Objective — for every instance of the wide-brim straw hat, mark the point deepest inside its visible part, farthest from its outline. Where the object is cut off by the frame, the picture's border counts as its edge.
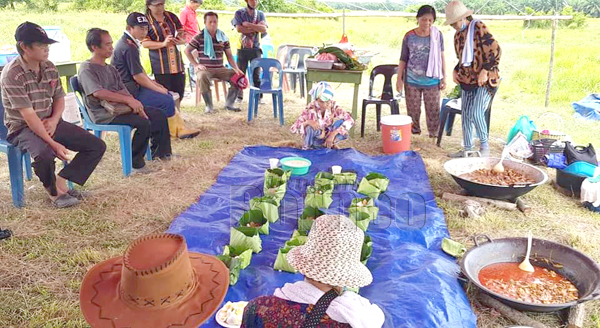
(455, 11)
(158, 283)
(331, 254)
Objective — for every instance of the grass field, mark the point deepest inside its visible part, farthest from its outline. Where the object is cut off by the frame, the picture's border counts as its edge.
(41, 268)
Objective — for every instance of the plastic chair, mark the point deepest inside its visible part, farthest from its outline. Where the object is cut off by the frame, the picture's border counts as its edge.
(216, 87)
(268, 50)
(386, 98)
(265, 64)
(448, 114)
(17, 162)
(123, 130)
(298, 71)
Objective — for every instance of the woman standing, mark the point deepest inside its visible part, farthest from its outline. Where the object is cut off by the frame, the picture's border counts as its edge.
(476, 72)
(164, 35)
(421, 71)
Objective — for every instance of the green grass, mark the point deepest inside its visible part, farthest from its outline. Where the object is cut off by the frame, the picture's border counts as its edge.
(43, 265)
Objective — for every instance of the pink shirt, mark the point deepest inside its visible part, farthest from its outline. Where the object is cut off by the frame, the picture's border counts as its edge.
(190, 23)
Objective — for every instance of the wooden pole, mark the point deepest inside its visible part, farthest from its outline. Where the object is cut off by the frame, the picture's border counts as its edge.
(344, 22)
(497, 203)
(514, 315)
(549, 84)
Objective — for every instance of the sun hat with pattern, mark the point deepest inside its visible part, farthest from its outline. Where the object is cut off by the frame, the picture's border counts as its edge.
(455, 11)
(331, 254)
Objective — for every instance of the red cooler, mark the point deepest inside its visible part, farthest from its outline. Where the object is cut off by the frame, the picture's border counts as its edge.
(395, 133)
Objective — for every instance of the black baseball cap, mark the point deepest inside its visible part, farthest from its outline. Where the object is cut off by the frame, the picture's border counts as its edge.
(31, 32)
(135, 19)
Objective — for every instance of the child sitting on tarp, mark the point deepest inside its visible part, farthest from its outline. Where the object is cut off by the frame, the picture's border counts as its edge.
(323, 123)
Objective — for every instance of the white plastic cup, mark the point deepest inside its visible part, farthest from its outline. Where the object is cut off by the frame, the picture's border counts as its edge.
(336, 169)
(274, 162)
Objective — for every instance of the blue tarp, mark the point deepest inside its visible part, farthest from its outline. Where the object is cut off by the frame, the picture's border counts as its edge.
(414, 282)
(588, 108)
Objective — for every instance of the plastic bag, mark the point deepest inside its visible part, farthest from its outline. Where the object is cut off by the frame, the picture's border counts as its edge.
(518, 148)
(523, 125)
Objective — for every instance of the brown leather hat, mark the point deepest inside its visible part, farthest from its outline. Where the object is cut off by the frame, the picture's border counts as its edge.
(158, 283)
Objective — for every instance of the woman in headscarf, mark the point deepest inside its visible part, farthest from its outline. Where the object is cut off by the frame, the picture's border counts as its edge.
(422, 71)
(330, 262)
(476, 72)
(323, 123)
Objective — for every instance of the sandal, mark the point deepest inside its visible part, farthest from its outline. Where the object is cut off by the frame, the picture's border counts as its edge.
(65, 200)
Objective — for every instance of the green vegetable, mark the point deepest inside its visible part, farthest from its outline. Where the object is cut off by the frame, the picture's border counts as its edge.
(267, 205)
(243, 239)
(350, 62)
(255, 216)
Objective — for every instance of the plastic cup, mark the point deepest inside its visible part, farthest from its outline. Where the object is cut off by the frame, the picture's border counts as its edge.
(336, 169)
(273, 162)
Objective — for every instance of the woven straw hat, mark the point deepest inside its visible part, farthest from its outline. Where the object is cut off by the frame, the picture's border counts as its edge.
(455, 11)
(158, 283)
(331, 254)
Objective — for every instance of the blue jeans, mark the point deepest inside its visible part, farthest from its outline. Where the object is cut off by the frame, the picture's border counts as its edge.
(311, 136)
(151, 98)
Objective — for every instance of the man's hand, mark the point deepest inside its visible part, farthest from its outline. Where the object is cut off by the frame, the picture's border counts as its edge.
(443, 84)
(180, 39)
(483, 78)
(169, 39)
(50, 125)
(60, 151)
(199, 67)
(238, 71)
(136, 106)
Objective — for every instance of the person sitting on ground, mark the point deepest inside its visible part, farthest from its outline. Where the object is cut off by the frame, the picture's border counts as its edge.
(109, 102)
(34, 101)
(126, 59)
(210, 44)
(330, 262)
(323, 123)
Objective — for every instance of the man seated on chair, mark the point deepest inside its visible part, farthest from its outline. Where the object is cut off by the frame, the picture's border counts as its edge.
(126, 59)
(323, 123)
(33, 99)
(210, 44)
(108, 102)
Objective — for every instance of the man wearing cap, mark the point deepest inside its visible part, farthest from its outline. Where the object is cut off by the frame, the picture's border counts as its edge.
(210, 44)
(249, 22)
(126, 59)
(33, 99)
(103, 90)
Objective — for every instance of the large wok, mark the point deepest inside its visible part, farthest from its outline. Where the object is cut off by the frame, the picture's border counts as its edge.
(460, 166)
(582, 271)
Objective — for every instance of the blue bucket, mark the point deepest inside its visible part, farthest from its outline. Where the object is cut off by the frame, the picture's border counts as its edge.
(581, 168)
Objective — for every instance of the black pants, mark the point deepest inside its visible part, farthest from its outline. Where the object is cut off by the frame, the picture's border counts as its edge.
(89, 153)
(245, 56)
(156, 130)
(172, 82)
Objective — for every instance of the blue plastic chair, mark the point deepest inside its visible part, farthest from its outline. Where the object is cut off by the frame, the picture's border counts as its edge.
(17, 162)
(265, 64)
(268, 50)
(124, 131)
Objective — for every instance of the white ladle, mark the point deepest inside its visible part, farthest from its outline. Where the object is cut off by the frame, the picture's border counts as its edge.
(499, 168)
(525, 265)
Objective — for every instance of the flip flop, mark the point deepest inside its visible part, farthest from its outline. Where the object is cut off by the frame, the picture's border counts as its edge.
(65, 200)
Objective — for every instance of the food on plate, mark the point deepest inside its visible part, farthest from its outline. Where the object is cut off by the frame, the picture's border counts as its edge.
(253, 225)
(232, 313)
(296, 163)
(506, 178)
(543, 286)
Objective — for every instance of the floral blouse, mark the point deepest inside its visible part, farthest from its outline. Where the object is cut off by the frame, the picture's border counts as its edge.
(487, 56)
(325, 120)
(274, 312)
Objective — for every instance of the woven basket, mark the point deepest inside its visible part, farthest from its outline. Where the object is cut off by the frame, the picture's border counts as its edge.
(556, 135)
(542, 147)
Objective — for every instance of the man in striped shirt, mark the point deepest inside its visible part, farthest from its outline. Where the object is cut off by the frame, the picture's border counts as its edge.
(34, 102)
(211, 43)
